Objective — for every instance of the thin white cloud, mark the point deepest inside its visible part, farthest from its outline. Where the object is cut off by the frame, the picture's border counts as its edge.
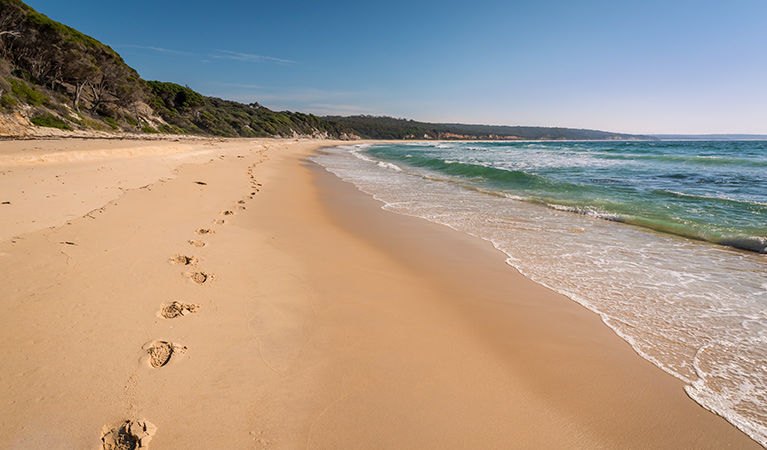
(309, 100)
(156, 49)
(242, 86)
(326, 109)
(306, 96)
(247, 57)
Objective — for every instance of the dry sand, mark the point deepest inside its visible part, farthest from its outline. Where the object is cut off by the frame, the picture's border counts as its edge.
(228, 294)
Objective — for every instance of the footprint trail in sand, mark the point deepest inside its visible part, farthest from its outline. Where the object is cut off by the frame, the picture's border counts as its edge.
(128, 435)
(178, 309)
(161, 352)
(200, 277)
(136, 434)
(184, 260)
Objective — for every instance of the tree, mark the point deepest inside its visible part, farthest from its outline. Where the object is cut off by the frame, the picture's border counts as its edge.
(10, 20)
(41, 62)
(80, 70)
(130, 93)
(105, 82)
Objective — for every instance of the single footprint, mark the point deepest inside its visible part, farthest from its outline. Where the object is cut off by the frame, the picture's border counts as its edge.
(128, 435)
(242, 202)
(184, 260)
(219, 221)
(203, 231)
(199, 277)
(196, 243)
(160, 352)
(178, 309)
(228, 212)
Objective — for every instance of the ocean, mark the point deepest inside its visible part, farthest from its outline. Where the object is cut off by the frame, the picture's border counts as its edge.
(665, 240)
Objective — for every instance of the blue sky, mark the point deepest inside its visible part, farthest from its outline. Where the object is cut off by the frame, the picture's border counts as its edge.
(671, 66)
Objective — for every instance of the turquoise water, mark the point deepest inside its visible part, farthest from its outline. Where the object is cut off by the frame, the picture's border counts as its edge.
(712, 191)
(664, 240)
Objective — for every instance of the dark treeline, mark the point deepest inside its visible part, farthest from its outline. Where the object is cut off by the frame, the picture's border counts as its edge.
(376, 127)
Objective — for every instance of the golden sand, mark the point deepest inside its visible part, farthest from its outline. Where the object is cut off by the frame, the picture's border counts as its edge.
(229, 294)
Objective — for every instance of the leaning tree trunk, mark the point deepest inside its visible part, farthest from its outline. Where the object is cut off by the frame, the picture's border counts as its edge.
(78, 92)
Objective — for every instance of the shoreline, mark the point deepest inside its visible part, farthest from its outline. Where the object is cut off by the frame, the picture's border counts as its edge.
(552, 319)
(325, 322)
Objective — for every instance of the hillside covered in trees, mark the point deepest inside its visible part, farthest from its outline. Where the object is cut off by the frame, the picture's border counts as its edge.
(186, 111)
(372, 127)
(52, 75)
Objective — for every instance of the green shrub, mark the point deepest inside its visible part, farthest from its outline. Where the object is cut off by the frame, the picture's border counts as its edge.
(69, 34)
(72, 119)
(93, 125)
(23, 74)
(27, 94)
(111, 122)
(7, 101)
(148, 129)
(170, 129)
(173, 96)
(51, 122)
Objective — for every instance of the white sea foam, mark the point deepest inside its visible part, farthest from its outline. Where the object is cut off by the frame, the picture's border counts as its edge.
(695, 310)
(717, 197)
(388, 165)
(588, 211)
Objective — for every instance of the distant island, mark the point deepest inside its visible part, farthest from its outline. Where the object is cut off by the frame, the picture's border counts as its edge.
(52, 75)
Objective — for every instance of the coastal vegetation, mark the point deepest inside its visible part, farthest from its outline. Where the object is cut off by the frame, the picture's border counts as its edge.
(372, 127)
(186, 111)
(50, 121)
(55, 76)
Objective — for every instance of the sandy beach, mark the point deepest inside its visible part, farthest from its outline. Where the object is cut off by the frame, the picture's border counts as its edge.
(230, 294)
